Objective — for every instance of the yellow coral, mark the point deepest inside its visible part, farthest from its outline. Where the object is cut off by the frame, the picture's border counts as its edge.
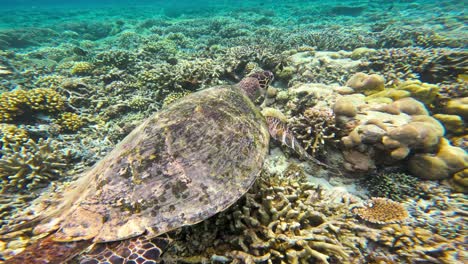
(82, 68)
(70, 121)
(382, 211)
(45, 99)
(171, 98)
(424, 92)
(11, 104)
(13, 134)
(15, 103)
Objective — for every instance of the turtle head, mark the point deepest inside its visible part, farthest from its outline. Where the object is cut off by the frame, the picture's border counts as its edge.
(256, 84)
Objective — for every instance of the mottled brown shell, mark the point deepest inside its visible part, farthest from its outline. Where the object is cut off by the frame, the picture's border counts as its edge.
(182, 165)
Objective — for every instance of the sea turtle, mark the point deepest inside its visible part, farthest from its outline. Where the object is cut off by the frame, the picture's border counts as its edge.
(182, 165)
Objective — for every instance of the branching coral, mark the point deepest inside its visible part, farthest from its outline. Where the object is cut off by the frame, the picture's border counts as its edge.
(281, 220)
(382, 211)
(82, 68)
(314, 127)
(174, 97)
(427, 65)
(12, 134)
(70, 122)
(24, 167)
(15, 103)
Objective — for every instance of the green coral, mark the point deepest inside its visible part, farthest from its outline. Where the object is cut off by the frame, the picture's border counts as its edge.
(27, 166)
(395, 186)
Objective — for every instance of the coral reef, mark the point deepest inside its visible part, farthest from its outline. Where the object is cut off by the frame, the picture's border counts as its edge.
(15, 103)
(70, 122)
(381, 211)
(82, 68)
(30, 165)
(281, 220)
(392, 185)
(314, 128)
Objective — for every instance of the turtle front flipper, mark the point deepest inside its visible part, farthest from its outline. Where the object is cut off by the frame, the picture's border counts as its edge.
(136, 250)
(47, 250)
(278, 129)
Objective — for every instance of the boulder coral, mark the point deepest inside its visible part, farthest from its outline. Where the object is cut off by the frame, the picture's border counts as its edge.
(447, 161)
(422, 133)
(366, 84)
(424, 92)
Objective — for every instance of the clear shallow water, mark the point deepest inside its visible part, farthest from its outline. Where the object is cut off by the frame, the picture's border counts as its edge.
(114, 63)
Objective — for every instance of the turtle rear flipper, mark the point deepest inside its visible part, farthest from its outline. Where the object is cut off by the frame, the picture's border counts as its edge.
(47, 250)
(131, 251)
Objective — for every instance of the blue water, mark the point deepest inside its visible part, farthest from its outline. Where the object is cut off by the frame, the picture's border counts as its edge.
(114, 63)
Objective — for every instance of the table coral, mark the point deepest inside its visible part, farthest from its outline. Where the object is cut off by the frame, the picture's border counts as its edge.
(382, 211)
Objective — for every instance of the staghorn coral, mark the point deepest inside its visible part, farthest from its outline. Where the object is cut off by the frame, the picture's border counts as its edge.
(24, 167)
(314, 127)
(280, 220)
(381, 211)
